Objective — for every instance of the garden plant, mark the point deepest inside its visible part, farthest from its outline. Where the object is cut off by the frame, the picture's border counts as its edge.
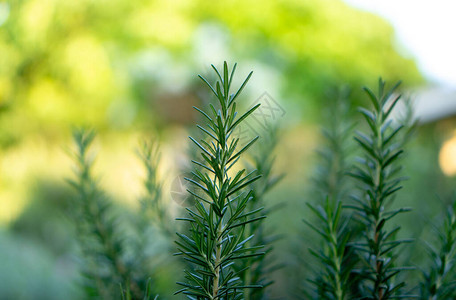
(224, 247)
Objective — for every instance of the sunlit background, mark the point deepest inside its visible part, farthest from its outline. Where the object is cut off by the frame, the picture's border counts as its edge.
(129, 70)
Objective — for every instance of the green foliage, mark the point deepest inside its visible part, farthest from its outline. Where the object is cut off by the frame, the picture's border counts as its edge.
(332, 280)
(101, 237)
(258, 270)
(330, 178)
(113, 65)
(216, 240)
(72, 57)
(227, 243)
(312, 41)
(439, 279)
(153, 207)
(154, 226)
(377, 174)
(126, 293)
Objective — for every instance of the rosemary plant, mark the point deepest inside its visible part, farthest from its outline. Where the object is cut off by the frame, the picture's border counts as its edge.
(335, 257)
(95, 227)
(377, 174)
(257, 270)
(216, 239)
(126, 294)
(334, 156)
(333, 281)
(439, 281)
(153, 208)
(101, 238)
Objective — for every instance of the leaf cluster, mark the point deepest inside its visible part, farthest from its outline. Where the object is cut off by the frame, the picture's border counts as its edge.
(333, 278)
(377, 173)
(258, 270)
(227, 246)
(439, 279)
(107, 254)
(335, 153)
(153, 208)
(216, 240)
(333, 281)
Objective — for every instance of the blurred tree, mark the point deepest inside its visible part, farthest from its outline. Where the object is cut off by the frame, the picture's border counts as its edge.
(110, 63)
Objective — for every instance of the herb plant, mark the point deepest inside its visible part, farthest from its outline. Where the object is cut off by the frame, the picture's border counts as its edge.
(377, 174)
(257, 270)
(216, 239)
(98, 234)
(153, 207)
(226, 243)
(109, 270)
(439, 280)
(332, 280)
(153, 225)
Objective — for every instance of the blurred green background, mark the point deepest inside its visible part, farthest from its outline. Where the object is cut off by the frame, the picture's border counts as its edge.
(128, 69)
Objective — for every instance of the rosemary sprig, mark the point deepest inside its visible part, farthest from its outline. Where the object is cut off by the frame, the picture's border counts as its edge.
(439, 281)
(216, 241)
(101, 237)
(152, 204)
(258, 269)
(377, 175)
(332, 280)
